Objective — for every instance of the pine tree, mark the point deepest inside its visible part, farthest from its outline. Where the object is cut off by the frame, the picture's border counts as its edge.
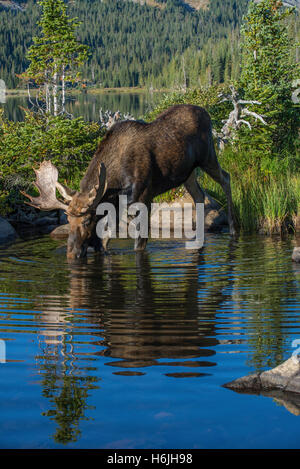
(55, 55)
(268, 71)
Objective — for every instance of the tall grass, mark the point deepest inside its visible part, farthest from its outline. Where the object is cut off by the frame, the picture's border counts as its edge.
(267, 204)
(265, 201)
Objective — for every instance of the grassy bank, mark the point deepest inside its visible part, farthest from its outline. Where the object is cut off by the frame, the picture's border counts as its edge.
(268, 204)
(130, 90)
(91, 90)
(265, 202)
(16, 92)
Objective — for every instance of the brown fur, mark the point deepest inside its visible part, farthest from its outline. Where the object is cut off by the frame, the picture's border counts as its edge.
(163, 152)
(143, 160)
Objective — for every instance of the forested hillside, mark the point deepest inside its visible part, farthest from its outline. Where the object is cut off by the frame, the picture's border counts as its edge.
(133, 44)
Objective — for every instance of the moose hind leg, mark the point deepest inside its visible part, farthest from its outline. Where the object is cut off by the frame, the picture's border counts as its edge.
(227, 189)
(223, 178)
(194, 189)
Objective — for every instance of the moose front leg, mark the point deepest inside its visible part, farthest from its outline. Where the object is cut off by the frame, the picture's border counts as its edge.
(142, 204)
(95, 243)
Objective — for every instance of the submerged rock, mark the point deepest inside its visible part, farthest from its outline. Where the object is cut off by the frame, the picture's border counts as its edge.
(296, 255)
(284, 378)
(7, 232)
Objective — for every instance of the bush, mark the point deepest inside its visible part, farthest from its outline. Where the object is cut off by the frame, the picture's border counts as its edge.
(69, 144)
(206, 97)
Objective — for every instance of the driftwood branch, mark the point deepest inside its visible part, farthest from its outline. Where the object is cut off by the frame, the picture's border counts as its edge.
(255, 115)
(108, 118)
(235, 119)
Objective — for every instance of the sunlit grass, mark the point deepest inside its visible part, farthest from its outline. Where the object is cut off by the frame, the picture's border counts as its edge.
(264, 201)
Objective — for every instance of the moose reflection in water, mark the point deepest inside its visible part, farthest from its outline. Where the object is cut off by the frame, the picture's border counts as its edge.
(136, 320)
(164, 314)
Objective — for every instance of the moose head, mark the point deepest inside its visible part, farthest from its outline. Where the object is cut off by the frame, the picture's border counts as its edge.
(80, 206)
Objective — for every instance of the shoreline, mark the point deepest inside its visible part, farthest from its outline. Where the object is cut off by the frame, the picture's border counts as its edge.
(132, 90)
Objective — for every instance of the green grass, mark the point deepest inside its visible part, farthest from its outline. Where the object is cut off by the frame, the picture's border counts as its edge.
(264, 201)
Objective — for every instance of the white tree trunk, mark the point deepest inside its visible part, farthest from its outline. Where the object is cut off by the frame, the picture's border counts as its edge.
(55, 92)
(63, 99)
(47, 95)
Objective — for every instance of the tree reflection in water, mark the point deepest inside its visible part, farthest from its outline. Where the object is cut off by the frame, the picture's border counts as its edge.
(166, 308)
(141, 313)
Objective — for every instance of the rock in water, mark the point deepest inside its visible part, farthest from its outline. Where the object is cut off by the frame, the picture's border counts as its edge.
(61, 232)
(296, 255)
(215, 220)
(285, 377)
(7, 232)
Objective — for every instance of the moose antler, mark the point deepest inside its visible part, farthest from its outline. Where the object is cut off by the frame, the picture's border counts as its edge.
(92, 189)
(46, 183)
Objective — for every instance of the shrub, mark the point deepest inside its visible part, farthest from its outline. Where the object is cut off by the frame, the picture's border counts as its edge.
(206, 97)
(69, 144)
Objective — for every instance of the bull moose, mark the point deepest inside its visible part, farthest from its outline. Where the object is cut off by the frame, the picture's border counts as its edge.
(140, 160)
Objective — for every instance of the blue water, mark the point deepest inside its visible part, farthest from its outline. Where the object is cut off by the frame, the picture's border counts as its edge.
(88, 105)
(131, 351)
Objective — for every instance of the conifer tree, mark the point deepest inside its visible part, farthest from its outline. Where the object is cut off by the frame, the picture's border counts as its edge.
(268, 71)
(55, 55)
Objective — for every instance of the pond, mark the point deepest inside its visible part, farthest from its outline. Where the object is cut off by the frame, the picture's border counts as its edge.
(131, 350)
(88, 105)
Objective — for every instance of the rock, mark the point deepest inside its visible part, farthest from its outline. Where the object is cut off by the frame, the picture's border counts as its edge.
(7, 232)
(215, 220)
(169, 218)
(244, 384)
(61, 232)
(296, 255)
(46, 221)
(47, 229)
(285, 377)
(297, 223)
(294, 385)
(63, 219)
(215, 217)
(211, 203)
(280, 377)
